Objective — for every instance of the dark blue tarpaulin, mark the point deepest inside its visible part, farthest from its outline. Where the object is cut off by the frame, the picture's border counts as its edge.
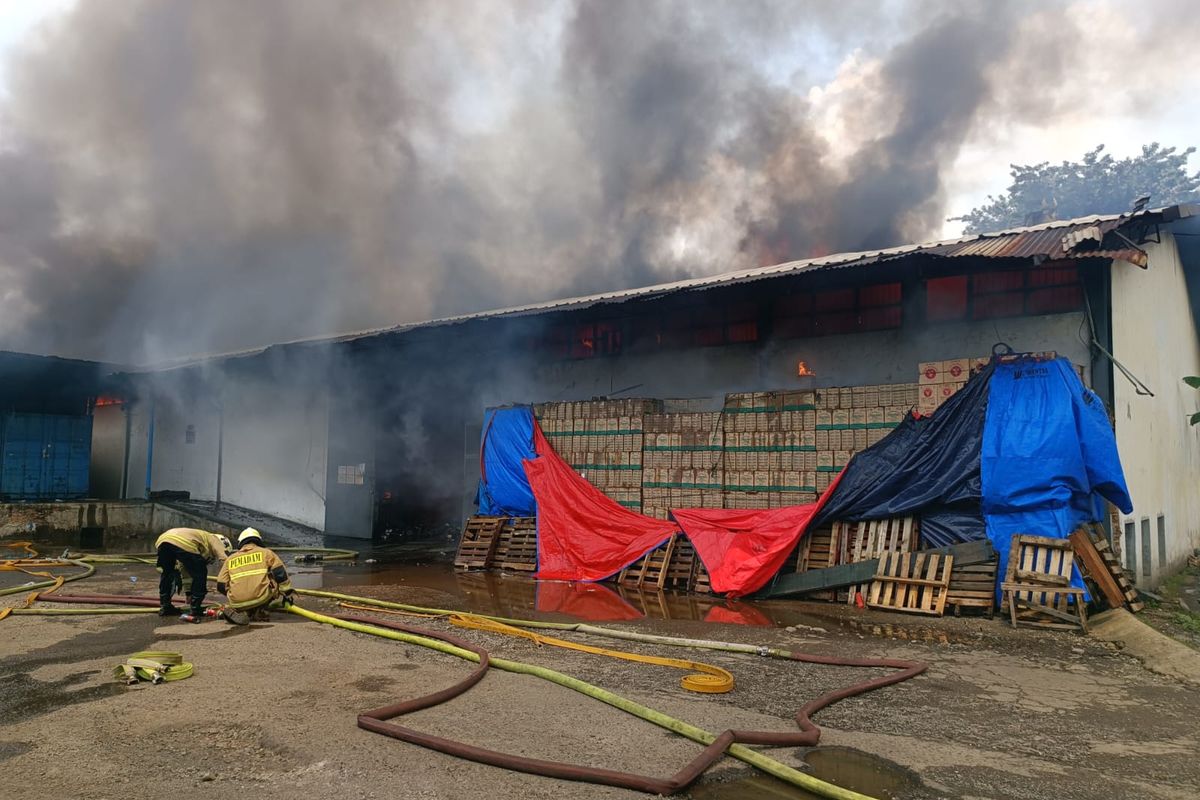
(927, 467)
(1049, 455)
(506, 442)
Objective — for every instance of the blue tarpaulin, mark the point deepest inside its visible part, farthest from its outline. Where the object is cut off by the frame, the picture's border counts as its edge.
(1049, 454)
(506, 442)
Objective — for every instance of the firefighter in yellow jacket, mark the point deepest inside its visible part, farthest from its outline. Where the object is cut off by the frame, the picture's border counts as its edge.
(252, 578)
(194, 549)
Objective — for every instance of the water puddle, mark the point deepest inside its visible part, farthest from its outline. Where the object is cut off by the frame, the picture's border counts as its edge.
(22, 697)
(516, 595)
(13, 749)
(843, 766)
(423, 577)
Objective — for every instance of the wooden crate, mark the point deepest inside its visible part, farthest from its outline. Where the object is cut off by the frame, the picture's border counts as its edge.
(477, 547)
(973, 586)
(912, 582)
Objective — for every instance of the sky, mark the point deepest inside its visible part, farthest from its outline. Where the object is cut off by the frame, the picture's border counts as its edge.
(180, 178)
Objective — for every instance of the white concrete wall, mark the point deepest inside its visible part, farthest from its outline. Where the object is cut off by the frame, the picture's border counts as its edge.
(276, 445)
(1154, 336)
(178, 464)
(139, 425)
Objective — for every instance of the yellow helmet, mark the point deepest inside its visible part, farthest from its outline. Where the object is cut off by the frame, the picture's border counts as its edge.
(249, 533)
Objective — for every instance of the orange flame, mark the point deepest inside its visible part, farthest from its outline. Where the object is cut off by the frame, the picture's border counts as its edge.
(803, 371)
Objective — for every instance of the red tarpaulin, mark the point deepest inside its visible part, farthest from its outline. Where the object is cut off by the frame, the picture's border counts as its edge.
(585, 536)
(591, 601)
(742, 549)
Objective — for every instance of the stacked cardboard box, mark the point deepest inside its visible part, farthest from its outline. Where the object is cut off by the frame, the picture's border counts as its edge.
(682, 462)
(939, 380)
(783, 448)
(602, 440)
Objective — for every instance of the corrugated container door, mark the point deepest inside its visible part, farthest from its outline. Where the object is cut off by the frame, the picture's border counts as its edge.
(46, 456)
(80, 463)
(24, 465)
(58, 456)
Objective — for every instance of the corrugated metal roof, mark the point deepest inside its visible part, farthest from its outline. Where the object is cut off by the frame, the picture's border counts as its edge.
(1047, 241)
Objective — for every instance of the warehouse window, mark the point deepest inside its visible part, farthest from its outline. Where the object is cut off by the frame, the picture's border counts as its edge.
(946, 298)
(1045, 289)
(704, 326)
(834, 311)
(351, 474)
(583, 340)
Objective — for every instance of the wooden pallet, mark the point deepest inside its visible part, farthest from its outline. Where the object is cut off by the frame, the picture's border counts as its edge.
(864, 541)
(517, 546)
(652, 568)
(818, 550)
(477, 548)
(681, 572)
(1113, 564)
(973, 586)
(702, 583)
(1036, 590)
(912, 582)
(1095, 568)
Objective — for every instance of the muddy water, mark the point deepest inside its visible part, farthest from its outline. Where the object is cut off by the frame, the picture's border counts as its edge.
(843, 766)
(515, 595)
(423, 578)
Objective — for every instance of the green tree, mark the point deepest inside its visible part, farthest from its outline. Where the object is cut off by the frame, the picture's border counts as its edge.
(1099, 184)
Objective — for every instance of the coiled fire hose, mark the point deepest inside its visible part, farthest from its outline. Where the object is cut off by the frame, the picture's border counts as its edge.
(155, 666)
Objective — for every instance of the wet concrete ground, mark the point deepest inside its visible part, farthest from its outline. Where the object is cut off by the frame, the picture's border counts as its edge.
(1002, 714)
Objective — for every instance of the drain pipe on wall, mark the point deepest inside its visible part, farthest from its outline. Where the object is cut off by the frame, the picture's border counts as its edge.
(125, 408)
(150, 448)
(220, 447)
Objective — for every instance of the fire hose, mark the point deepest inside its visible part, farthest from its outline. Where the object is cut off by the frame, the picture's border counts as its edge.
(731, 742)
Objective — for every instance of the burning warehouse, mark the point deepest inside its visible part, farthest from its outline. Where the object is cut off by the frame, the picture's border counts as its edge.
(380, 430)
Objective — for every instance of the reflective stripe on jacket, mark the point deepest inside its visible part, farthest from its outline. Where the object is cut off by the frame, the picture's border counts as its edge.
(253, 576)
(193, 540)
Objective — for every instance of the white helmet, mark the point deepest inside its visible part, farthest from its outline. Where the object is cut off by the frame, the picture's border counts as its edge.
(249, 533)
(225, 543)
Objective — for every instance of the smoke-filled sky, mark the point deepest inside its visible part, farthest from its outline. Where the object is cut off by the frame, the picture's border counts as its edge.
(209, 175)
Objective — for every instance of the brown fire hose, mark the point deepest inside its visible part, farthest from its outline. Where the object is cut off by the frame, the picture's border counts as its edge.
(377, 721)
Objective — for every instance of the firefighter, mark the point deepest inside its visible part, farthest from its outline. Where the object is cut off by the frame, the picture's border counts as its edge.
(193, 549)
(252, 578)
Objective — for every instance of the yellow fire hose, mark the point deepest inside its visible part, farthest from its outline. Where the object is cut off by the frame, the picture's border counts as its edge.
(710, 680)
(738, 751)
(155, 666)
(32, 564)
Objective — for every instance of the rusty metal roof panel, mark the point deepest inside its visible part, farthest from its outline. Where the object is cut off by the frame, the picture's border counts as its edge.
(1045, 241)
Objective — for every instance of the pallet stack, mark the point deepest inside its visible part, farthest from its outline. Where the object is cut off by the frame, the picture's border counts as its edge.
(602, 440)
(477, 547)
(682, 462)
(973, 586)
(498, 543)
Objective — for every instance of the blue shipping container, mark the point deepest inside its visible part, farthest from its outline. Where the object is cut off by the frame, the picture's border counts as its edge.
(46, 457)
